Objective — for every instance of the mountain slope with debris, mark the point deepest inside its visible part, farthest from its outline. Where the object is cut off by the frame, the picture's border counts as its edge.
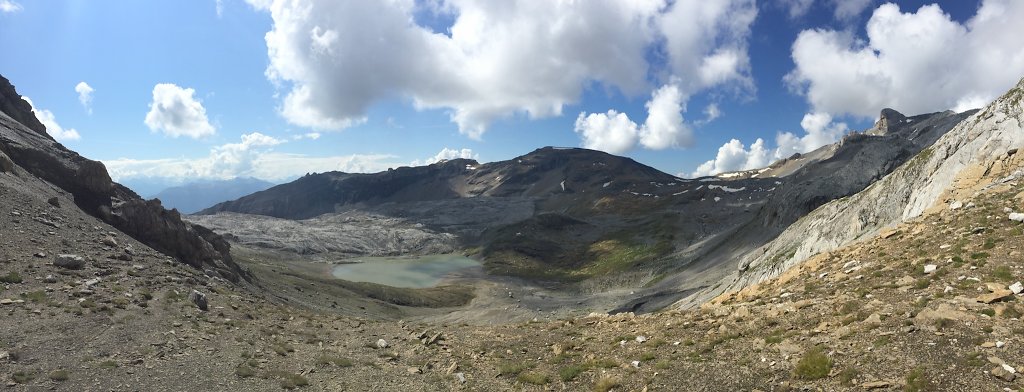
(979, 151)
(28, 152)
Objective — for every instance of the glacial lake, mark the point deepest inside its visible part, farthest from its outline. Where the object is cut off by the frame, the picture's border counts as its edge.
(410, 272)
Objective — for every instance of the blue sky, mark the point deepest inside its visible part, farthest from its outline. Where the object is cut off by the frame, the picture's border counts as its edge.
(413, 96)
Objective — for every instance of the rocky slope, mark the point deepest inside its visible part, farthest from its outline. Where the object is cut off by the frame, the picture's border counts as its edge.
(927, 309)
(27, 151)
(979, 151)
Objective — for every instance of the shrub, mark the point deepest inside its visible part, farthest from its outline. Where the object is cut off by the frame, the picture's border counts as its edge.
(605, 384)
(570, 372)
(512, 368)
(814, 365)
(60, 375)
(917, 381)
(22, 377)
(244, 371)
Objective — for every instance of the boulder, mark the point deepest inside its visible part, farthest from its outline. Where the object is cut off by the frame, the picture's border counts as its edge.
(1017, 288)
(6, 164)
(1017, 216)
(994, 296)
(69, 261)
(1002, 373)
(199, 299)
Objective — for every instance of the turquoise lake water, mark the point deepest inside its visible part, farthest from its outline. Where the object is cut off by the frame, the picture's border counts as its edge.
(411, 272)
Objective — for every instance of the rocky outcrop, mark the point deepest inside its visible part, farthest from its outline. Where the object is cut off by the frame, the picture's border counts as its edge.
(17, 108)
(87, 181)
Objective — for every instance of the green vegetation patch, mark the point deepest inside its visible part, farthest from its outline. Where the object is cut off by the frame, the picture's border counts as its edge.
(815, 364)
(11, 277)
(533, 378)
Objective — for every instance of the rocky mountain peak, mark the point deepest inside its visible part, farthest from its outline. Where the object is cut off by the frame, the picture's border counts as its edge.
(20, 110)
(887, 120)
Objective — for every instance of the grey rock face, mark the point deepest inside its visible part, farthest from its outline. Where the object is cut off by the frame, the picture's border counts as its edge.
(17, 108)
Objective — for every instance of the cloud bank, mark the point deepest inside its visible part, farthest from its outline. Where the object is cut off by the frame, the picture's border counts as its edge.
(252, 156)
(334, 59)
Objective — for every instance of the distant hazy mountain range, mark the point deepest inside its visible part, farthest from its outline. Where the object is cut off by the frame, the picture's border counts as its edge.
(195, 196)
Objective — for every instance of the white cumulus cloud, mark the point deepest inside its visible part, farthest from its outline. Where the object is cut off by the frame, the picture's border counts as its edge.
(58, 132)
(9, 6)
(336, 58)
(819, 130)
(615, 133)
(915, 62)
(84, 91)
(176, 112)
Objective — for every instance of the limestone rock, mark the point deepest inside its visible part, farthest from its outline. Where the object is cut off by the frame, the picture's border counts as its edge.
(944, 311)
(1002, 373)
(876, 385)
(994, 296)
(69, 261)
(1017, 288)
(381, 343)
(1016, 216)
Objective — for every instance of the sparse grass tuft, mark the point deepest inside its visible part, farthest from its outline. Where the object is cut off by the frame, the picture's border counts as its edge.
(333, 360)
(512, 368)
(917, 381)
(605, 384)
(108, 364)
(288, 380)
(60, 375)
(245, 371)
(570, 372)
(35, 296)
(533, 378)
(814, 365)
(11, 277)
(602, 364)
(22, 377)
(847, 376)
(1002, 273)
